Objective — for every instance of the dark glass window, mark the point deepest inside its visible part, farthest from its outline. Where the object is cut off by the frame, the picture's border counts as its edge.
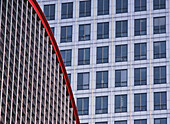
(83, 81)
(66, 34)
(67, 10)
(101, 79)
(140, 52)
(69, 77)
(84, 56)
(85, 8)
(160, 121)
(140, 121)
(140, 27)
(140, 5)
(103, 30)
(103, 7)
(49, 11)
(121, 6)
(101, 123)
(121, 53)
(83, 106)
(121, 78)
(101, 104)
(160, 101)
(84, 32)
(121, 28)
(140, 76)
(120, 122)
(66, 55)
(159, 50)
(160, 75)
(102, 54)
(159, 25)
(52, 29)
(159, 4)
(140, 102)
(120, 103)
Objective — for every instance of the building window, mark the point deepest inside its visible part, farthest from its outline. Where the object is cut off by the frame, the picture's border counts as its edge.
(83, 106)
(140, 27)
(84, 56)
(121, 78)
(103, 30)
(140, 121)
(140, 76)
(83, 81)
(85, 8)
(66, 55)
(160, 121)
(159, 4)
(140, 102)
(67, 10)
(49, 11)
(160, 101)
(159, 50)
(101, 123)
(140, 5)
(66, 34)
(121, 29)
(103, 7)
(120, 103)
(121, 53)
(159, 25)
(101, 104)
(84, 32)
(120, 122)
(102, 55)
(52, 29)
(69, 77)
(101, 79)
(160, 75)
(121, 6)
(140, 51)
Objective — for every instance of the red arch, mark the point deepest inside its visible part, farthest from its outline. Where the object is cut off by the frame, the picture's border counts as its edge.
(44, 21)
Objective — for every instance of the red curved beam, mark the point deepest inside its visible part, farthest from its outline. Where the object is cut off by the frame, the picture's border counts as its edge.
(44, 21)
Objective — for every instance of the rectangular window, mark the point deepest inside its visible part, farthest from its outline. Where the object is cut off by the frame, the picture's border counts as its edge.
(159, 25)
(66, 34)
(83, 81)
(103, 30)
(101, 104)
(140, 27)
(120, 122)
(140, 102)
(160, 121)
(121, 28)
(83, 106)
(160, 101)
(160, 75)
(49, 11)
(52, 29)
(101, 79)
(102, 54)
(120, 103)
(84, 56)
(103, 7)
(140, 121)
(159, 4)
(69, 77)
(67, 10)
(85, 8)
(121, 78)
(84, 32)
(121, 6)
(101, 123)
(121, 53)
(66, 55)
(159, 49)
(140, 5)
(140, 52)
(140, 76)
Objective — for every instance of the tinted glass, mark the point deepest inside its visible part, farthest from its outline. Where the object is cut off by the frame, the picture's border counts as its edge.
(160, 121)
(159, 4)
(140, 5)
(120, 78)
(120, 122)
(160, 101)
(67, 10)
(103, 30)
(83, 81)
(84, 56)
(160, 75)
(101, 105)
(159, 25)
(83, 106)
(140, 76)
(85, 8)
(102, 55)
(121, 29)
(140, 52)
(66, 34)
(121, 53)
(102, 79)
(159, 50)
(140, 102)
(103, 7)
(142, 121)
(121, 6)
(120, 103)
(140, 27)
(49, 11)
(66, 55)
(84, 32)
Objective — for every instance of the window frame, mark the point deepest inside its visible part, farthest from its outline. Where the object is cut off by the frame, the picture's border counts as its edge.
(100, 85)
(136, 121)
(160, 29)
(66, 62)
(67, 38)
(122, 58)
(101, 110)
(83, 112)
(85, 13)
(160, 120)
(105, 10)
(158, 78)
(84, 61)
(103, 59)
(49, 17)
(160, 54)
(141, 82)
(140, 56)
(139, 107)
(158, 6)
(84, 36)
(121, 122)
(121, 9)
(140, 31)
(104, 34)
(82, 85)
(69, 13)
(121, 83)
(160, 105)
(121, 33)
(140, 7)
(120, 106)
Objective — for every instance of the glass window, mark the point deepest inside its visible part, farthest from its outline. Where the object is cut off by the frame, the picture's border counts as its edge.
(140, 5)
(140, 76)
(101, 123)
(101, 104)
(102, 54)
(84, 56)
(83, 81)
(140, 52)
(101, 79)
(160, 121)
(85, 8)
(52, 29)
(140, 27)
(67, 10)
(120, 103)
(160, 101)
(159, 4)
(121, 6)
(49, 11)
(66, 34)
(69, 77)
(84, 32)
(121, 29)
(83, 106)
(121, 53)
(140, 102)
(159, 25)
(103, 30)
(140, 121)
(103, 7)
(160, 75)
(121, 78)
(120, 122)
(160, 50)
(66, 55)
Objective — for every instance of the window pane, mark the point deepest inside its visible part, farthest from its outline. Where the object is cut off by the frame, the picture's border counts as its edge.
(67, 10)
(83, 81)
(83, 106)
(103, 7)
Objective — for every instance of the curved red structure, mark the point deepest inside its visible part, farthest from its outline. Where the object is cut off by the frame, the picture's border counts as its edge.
(44, 21)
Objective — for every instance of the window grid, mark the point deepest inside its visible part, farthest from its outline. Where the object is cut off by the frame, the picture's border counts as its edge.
(85, 8)
(101, 79)
(83, 81)
(121, 6)
(159, 4)
(67, 10)
(140, 76)
(160, 101)
(140, 27)
(103, 7)
(159, 49)
(140, 5)
(103, 30)
(160, 75)
(102, 54)
(83, 106)
(159, 25)
(101, 105)
(121, 28)
(121, 53)
(121, 78)
(84, 56)
(140, 101)
(140, 52)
